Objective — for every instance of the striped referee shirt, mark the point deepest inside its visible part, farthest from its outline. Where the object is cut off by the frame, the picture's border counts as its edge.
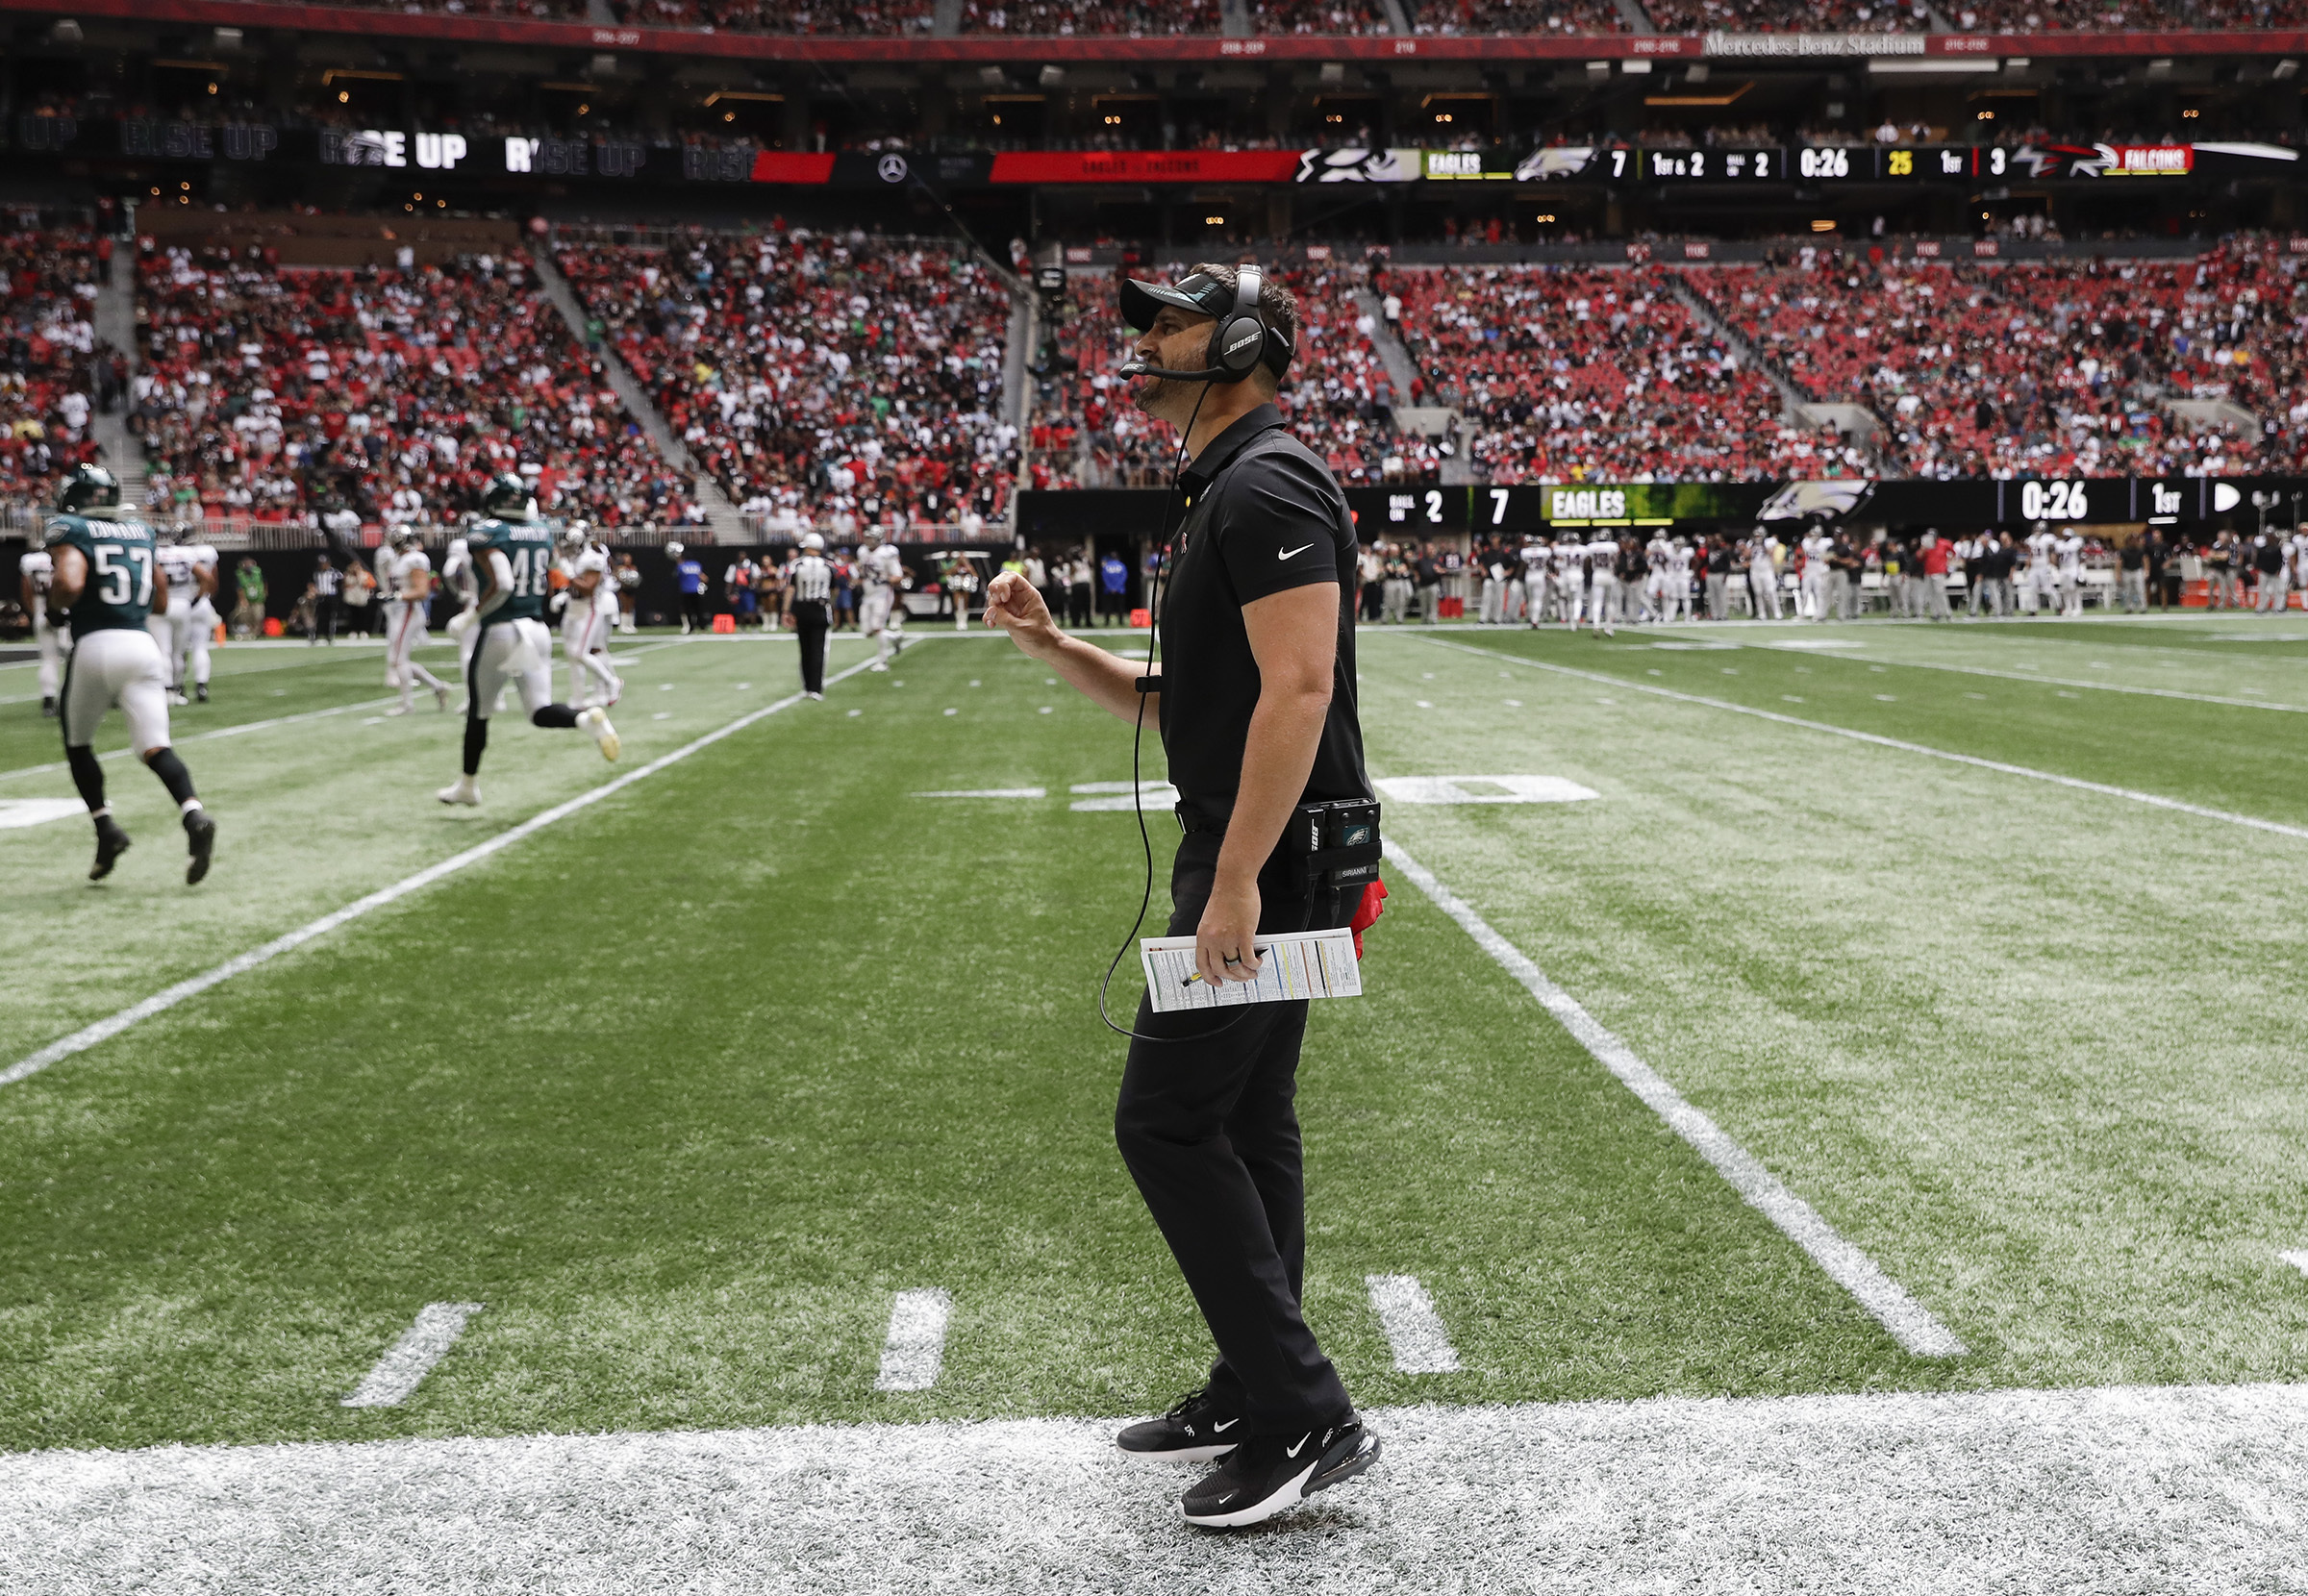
(813, 580)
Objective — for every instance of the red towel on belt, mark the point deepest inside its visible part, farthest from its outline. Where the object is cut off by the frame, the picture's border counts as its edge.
(1367, 914)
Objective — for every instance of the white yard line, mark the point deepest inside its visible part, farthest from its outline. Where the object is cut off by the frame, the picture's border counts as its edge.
(407, 1361)
(913, 1351)
(103, 1029)
(242, 730)
(1851, 1268)
(2128, 794)
(1413, 1329)
(2076, 681)
(1995, 1493)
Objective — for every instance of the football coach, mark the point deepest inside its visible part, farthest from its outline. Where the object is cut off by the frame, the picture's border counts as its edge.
(1256, 704)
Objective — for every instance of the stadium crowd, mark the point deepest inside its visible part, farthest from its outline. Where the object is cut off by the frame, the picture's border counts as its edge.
(1338, 398)
(1579, 373)
(388, 394)
(796, 365)
(54, 376)
(2051, 368)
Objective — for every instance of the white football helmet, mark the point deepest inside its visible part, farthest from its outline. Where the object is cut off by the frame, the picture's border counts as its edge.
(674, 551)
(813, 543)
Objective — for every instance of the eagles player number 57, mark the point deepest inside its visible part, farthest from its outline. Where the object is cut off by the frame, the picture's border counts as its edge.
(107, 574)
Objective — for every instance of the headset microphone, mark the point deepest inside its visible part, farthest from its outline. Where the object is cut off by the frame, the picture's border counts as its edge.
(1139, 369)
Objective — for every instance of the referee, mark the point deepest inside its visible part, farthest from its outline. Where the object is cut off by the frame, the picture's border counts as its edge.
(808, 593)
(1256, 712)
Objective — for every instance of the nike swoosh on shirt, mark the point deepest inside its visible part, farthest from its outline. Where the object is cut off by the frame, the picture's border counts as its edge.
(1284, 554)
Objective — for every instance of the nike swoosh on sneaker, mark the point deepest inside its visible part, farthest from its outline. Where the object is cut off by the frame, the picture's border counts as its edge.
(1284, 554)
(1221, 1429)
(1294, 1450)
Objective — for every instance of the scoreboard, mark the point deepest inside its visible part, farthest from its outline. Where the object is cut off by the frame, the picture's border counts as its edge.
(1816, 164)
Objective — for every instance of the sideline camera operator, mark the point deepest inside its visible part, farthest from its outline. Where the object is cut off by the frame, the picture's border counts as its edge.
(1256, 704)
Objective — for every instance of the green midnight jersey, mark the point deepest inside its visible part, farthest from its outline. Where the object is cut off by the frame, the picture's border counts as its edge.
(528, 548)
(117, 595)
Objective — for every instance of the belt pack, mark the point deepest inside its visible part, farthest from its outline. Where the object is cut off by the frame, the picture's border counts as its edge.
(1334, 843)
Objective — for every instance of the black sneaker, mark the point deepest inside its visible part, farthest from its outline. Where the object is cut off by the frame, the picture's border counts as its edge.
(1271, 1474)
(1196, 1431)
(200, 836)
(201, 692)
(111, 843)
(48, 708)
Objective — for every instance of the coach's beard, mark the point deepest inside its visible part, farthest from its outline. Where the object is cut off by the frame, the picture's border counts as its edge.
(1155, 395)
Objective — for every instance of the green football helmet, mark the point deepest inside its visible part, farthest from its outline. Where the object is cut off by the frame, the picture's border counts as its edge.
(87, 487)
(508, 498)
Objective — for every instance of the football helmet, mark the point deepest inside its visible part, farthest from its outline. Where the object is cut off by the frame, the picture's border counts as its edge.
(508, 498)
(674, 550)
(87, 489)
(813, 543)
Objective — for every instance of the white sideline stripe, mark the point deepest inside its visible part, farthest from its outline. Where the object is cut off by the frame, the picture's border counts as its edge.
(407, 1361)
(2298, 1260)
(1851, 1268)
(913, 1351)
(2167, 1490)
(2074, 682)
(2077, 783)
(990, 792)
(112, 1025)
(1412, 1327)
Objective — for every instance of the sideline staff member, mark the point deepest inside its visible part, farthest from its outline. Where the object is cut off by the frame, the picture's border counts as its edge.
(1258, 715)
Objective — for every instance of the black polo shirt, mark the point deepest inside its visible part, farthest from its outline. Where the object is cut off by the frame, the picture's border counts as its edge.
(1263, 515)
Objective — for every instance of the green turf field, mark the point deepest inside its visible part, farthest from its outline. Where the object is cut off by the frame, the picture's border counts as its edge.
(685, 1086)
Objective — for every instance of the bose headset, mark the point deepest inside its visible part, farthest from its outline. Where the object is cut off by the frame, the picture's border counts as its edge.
(1240, 342)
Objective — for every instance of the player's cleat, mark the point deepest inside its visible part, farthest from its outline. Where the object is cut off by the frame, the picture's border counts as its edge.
(440, 699)
(200, 836)
(201, 692)
(177, 697)
(48, 708)
(111, 843)
(877, 665)
(464, 790)
(1271, 1474)
(1195, 1431)
(595, 722)
(817, 696)
(399, 710)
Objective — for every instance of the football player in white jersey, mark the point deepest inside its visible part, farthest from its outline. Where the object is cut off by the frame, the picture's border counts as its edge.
(456, 576)
(2039, 583)
(1678, 581)
(2071, 551)
(35, 575)
(206, 573)
(1762, 574)
(1655, 557)
(881, 614)
(1602, 584)
(407, 571)
(584, 623)
(172, 628)
(1535, 558)
(1567, 578)
(1816, 547)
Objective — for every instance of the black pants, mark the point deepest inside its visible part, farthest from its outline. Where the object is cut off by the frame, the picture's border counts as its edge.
(810, 623)
(325, 610)
(1374, 595)
(1211, 1135)
(1078, 603)
(693, 609)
